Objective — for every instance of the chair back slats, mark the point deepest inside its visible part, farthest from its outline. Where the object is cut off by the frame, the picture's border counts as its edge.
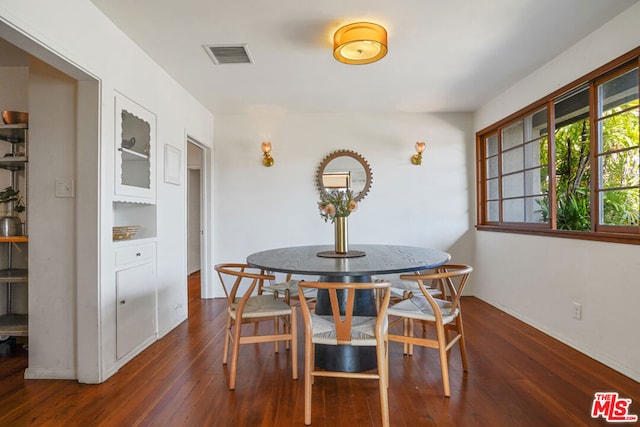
(343, 325)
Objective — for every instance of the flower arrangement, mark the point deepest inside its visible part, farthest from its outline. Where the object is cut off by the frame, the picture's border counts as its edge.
(336, 203)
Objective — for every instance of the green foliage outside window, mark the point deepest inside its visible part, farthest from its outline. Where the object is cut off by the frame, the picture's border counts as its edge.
(621, 169)
(573, 174)
(620, 173)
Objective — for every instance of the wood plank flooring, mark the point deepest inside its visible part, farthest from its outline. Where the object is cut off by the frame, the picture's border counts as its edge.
(517, 377)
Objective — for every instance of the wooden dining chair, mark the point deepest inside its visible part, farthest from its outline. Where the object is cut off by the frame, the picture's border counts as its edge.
(402, 289)
(343, 328)
(444, 313)
(240, 283)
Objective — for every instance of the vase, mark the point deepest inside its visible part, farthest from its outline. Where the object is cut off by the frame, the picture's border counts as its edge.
(341, 235)
(10, 226)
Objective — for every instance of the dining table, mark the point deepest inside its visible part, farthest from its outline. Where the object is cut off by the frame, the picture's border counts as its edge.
(371, 260)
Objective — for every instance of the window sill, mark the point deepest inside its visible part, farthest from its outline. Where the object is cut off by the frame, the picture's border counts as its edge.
(627, 239)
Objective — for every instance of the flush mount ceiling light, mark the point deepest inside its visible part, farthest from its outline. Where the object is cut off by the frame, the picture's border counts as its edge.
(360, 43)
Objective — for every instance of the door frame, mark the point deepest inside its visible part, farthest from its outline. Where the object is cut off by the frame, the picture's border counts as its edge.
(206, 287)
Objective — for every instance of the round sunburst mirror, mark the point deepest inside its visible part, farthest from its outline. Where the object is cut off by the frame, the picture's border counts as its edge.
(344, 170)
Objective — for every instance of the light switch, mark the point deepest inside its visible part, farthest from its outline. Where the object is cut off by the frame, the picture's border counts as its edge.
(65, 187)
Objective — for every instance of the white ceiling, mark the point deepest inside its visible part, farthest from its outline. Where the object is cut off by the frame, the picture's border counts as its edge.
(444, 55)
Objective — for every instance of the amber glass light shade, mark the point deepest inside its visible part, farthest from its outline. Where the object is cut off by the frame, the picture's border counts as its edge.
(360, 43)
(267, 160)
(266, 147)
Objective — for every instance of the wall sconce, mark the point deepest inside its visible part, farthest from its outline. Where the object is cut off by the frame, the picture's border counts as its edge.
(416, 159)
(267, 160)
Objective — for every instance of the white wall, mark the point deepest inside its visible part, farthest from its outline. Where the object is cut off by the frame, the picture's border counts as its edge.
(537, 279)
(13, 88)
(77, 38)
(257, 208)
(52, 296)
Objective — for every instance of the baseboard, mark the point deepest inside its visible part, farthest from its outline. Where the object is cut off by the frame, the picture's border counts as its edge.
(624, 370)
(171, 327)
(50, 374)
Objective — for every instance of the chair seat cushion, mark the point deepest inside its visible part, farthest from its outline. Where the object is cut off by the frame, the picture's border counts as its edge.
(419, 308)
(262, 306)
(362, 330)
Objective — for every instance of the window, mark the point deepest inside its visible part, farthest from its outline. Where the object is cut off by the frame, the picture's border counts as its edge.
(582, 180)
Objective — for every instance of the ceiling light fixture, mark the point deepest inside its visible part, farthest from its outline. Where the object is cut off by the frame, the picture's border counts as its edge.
(360, 43)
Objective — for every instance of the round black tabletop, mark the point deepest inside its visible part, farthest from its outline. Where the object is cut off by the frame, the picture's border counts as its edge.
(378, 259)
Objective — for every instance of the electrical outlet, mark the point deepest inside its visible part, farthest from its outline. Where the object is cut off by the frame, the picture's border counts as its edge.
(577, 310)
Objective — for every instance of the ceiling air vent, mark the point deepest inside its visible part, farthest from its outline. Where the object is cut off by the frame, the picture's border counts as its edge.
(228, 54)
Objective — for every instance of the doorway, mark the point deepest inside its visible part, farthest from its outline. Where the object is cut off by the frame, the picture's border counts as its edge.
(195, 224)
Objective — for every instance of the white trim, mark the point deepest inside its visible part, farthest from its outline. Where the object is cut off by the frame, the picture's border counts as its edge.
(50, 374)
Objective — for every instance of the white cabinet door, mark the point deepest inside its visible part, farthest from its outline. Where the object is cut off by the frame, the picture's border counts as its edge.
(136, 307)
(135, 152)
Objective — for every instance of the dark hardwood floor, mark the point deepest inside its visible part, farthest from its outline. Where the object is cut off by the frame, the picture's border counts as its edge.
(517, 377)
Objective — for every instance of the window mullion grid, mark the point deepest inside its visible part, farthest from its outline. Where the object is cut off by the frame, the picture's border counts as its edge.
(598, 232)
(551, 161)
(594, 143)
(481, 179)
(500, 200)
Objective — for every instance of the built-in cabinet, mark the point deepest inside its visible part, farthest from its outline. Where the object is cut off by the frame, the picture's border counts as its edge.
(135, 152)
(135, 296)
(134, 210)
(13, 227)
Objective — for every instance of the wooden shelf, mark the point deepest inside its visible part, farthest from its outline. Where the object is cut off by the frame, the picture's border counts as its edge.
(132, 155)
(15, 325)
(14, 239)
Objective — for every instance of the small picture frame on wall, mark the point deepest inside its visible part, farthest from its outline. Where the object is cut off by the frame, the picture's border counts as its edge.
(172, 164)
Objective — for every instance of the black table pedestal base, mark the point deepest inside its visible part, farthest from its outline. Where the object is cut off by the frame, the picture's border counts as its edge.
(345, 358)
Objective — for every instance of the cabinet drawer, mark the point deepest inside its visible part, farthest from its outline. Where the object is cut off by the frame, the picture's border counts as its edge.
(134, 254)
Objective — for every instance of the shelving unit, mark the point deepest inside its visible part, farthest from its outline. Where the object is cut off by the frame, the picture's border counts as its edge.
(11, 324)
(15, 161)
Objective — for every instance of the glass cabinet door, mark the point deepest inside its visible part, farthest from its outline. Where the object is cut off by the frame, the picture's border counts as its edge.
(135, 155)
